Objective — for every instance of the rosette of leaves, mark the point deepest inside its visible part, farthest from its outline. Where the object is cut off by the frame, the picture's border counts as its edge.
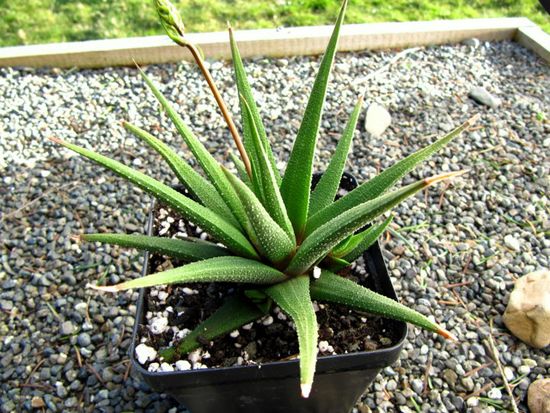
(285, 242)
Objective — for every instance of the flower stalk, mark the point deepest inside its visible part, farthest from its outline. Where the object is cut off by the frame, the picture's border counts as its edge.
(175, 29)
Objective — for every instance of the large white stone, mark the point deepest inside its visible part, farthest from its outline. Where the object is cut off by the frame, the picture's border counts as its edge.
(144, 353)
(377, 120)
(527, 315)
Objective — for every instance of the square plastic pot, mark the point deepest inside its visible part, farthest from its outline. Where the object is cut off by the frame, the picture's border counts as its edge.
(274, 387)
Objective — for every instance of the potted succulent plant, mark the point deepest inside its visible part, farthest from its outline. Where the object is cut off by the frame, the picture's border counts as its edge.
(283, 242)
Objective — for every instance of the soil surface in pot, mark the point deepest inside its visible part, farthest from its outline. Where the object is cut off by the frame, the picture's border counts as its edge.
(173, 310)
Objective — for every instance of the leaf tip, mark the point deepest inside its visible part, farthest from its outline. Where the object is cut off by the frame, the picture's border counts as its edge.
(306, 389)
(446, 334)
(77, 237)
(55, 139)
(438, 178)
(104, 288)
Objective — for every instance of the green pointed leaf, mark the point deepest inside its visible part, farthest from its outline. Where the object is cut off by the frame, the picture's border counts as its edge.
(217, 269)
(293, 298)
(365, 239)
(234, 313)
(296, 183)
(382, 182)
(177, 248)
(272, 200)
(244, 89)
(194, 182)
(268, 237)
(333, 288)
(327, 187)
(211, 222)
(206, 160)
(241, 170)
(327, 236)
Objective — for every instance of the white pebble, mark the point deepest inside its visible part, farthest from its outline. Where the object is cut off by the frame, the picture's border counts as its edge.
(187, 291)
(267, 321)
(495, 394)
(247, 326)
(158, 325)
(144, 353)
(166, 367)
(234, 334)
(162, 295)
(323, 346)
(153, 367)
(509, 373)
(194, 356)
(183, 365)
(512, 243)
(316, 272)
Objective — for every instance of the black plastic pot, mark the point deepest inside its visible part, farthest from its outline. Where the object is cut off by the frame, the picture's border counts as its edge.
(274, 387)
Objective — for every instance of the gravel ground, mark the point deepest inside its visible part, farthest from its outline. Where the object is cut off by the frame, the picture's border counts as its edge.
(454, 253)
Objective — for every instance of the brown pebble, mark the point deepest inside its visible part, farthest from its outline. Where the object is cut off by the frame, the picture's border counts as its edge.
(37, 402)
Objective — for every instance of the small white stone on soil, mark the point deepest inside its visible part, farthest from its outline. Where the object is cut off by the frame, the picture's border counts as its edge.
(237, 345)
(166, 367)
(162, 295)
(144, 353)
(187, 291)
(182, 333)
(158, 325)
(316, 272)
(153, 367)
(315, 306)
(194, 356)
(234, 334)
(281, 316)
(267, 321)
(247, 326)
(183, 365)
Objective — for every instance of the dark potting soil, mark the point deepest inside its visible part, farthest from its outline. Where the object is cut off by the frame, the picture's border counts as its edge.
(345, 330)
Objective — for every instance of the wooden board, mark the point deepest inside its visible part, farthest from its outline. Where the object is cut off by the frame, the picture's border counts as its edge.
(271, 42)
(534, 38)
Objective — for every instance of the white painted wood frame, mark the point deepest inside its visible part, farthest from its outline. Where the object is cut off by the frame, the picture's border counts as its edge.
(278, 42)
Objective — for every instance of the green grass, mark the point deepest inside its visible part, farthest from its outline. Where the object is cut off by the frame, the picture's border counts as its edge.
(45, 21)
